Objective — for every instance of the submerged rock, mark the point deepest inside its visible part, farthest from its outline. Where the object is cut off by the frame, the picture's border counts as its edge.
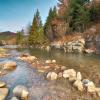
(31, 58)
(21, 92)
(27, 58)
(3, 93)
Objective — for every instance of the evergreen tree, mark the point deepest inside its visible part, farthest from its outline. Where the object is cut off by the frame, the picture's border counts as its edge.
(38, 18)
(33, 32)
(48, 25)
(54, 12)
(36, 35)
(78, 16)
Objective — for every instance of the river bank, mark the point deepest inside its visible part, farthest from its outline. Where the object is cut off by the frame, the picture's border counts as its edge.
(41, 89)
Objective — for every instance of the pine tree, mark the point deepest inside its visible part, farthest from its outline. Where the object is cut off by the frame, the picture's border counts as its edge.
(39, 21)
(36, 35)
(78, 16)
(48, 25)
(33, 32)
(54, 12)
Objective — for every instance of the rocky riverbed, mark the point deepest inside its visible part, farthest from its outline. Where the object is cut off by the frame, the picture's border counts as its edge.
(31, 74)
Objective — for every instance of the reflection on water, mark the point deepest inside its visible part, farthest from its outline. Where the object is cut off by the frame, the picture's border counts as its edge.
(41, 89)
(79, 61)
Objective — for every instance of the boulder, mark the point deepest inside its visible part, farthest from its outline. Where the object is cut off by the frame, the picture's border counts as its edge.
(79, 85)
(3, 93)
(2, 84)
(70, 73)
(10, 65)
(52, 76)
(79, 76)
(91, 87)
(97, 91)
(21, 92)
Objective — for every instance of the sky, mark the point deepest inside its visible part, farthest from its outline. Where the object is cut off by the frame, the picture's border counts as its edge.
(18, 14)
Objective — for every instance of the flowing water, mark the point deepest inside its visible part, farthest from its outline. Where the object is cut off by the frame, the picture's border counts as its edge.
(39, 87)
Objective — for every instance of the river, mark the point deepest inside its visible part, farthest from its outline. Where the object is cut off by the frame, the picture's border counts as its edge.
(39, 87)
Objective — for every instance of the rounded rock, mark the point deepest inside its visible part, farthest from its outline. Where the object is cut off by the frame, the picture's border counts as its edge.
(2, 84)
(21, 92)
(3, 93)
(10, 65)
(79, 85)
(52, 76)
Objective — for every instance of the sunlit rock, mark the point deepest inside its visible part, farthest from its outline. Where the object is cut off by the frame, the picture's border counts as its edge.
(79, 85)
(48, 48)
(2, 84)
(52, 76)
(21, 92)
(97, 91)
(48, 61)
(63, 68)
(60, 74)
(89, 51)
(31, 58)
(91, 87)
(3, 93)
(53, 61)
(79, 76)
(10, 65)
(69, 73)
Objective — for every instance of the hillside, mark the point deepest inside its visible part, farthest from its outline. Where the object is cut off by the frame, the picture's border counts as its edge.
(8, 37)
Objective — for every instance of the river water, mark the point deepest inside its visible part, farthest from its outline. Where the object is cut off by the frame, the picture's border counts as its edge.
(40, 88)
